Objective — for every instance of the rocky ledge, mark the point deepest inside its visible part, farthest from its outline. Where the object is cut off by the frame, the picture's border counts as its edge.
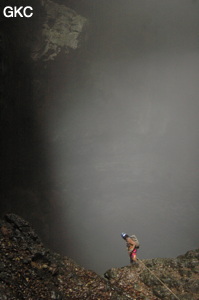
(160, 278)
(30, 271)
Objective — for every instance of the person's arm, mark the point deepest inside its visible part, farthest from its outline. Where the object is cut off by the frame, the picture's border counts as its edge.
(131, 244)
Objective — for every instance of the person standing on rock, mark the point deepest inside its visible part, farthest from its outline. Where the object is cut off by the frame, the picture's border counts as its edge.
(132, 244)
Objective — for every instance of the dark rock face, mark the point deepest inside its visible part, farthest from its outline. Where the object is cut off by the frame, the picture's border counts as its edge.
(29, 271)
(29, 51)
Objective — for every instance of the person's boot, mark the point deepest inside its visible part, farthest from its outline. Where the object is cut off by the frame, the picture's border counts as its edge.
(134, 263)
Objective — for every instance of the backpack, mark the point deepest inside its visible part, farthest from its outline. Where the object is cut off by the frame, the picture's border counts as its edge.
(134, 238)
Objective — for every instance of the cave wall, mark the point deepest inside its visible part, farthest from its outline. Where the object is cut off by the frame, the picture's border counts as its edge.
(29, 48)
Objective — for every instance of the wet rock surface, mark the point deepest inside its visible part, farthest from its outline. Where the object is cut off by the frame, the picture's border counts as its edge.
(30, 271)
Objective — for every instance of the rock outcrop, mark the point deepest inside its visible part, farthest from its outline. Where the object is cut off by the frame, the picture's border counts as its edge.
(61, 29)
(30, 271)
(160, 278)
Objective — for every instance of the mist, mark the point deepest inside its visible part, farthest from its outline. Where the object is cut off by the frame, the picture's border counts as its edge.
(124, 134)
(126, 152)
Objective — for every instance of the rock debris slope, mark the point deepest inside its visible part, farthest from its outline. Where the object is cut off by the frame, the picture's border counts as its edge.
(30, 271)
(160, 278)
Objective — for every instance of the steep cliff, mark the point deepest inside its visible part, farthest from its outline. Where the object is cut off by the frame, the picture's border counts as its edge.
(30, 271)
(29, 51)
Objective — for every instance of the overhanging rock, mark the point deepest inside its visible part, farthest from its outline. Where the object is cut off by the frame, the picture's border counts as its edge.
(61, 30)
